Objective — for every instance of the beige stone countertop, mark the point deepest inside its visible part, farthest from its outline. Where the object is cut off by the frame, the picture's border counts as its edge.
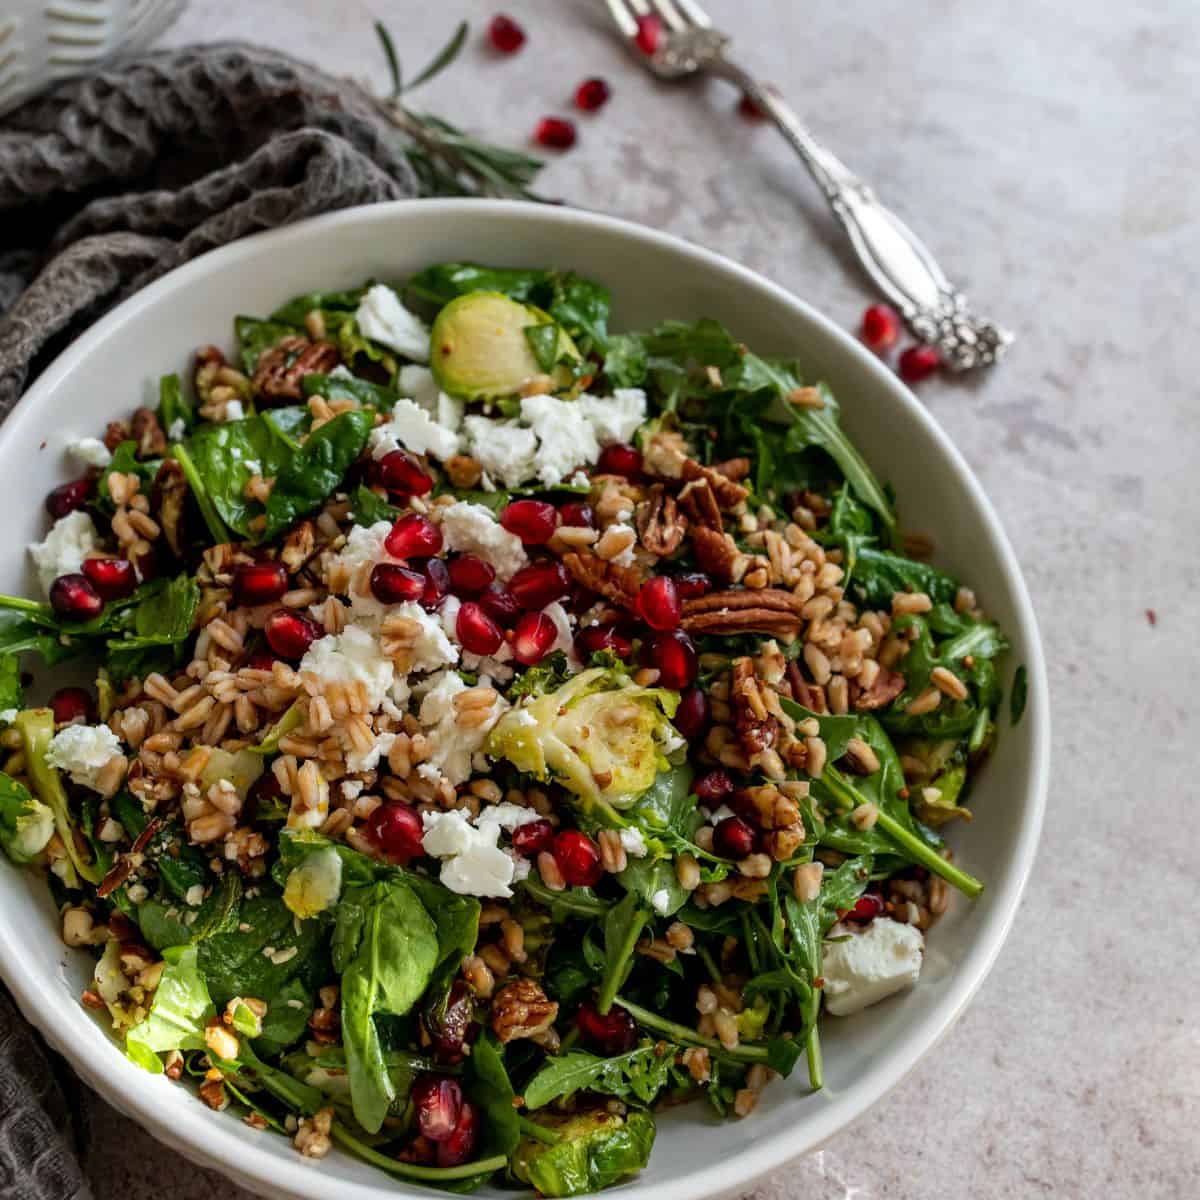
(1050, 154)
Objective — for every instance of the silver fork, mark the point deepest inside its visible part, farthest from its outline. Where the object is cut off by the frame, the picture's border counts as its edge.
(898, 262)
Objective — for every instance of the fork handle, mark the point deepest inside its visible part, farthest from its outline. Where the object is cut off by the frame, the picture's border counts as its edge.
(898, 262)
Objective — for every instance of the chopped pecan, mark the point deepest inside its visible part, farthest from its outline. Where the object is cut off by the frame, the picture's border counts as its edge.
(756, 727)
(717, 554)
(885, 688)
(767, 610)
(326, 1026)
(152, 442)
(728, 493)
(299, 546)
(618, 584)
(733, 468)
(664, 454)
(803, 692)
(281, 369)
(660, 524)
(168, 499)
(522, 1010)
(115, 432)
(700, 503)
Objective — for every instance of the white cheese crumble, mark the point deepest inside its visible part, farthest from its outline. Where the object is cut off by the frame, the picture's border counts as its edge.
(350, 657)
(633, 843)
(412, 428)
(384, 319)
(419, 383)
(472, 529)
(234, 411)
(565, 436)
(71, 539)
(365, 546)
(452, 747)
(368, 760)
(432, 648)
(872, 965)
(507, 816)
(8, 715)
(194, 896)
(625, 557)
(91, 452)
(472, 862)
(82, 751)
(661, 902)
(506, 450)
(615, 418)
(177, 429)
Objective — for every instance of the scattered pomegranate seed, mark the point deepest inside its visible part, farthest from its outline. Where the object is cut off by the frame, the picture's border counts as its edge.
(533, 521)
(614, 1032)
(290, 633)
(578, 858)
(594, 638)
(261, 660)
(734, 838)
(713, 788)
(659, 604)
(413, 536)
(692, 715)
(476, 630)
(531, 839)
(500, 604)
(539, 584)
(592, 94)
(555, 133)
(749, 108)
(69, 497)
(470, 575)
(880, 328)
(673, 654)
(73, 704)
(578, 513)
(72, 596)
(259, 583)
(399, 472)
(460, 1145)
(620, 459)
(437, 1102)
(392, 584)
(868, 906)
(395, 830)
(919, 362)
(649, 33)
(452, 1025)
(693, 585)
(505, 34)
(113, 578)
(437, 583)
(533, 637)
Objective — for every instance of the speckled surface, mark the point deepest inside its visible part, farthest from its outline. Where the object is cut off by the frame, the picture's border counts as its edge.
(1049, 154)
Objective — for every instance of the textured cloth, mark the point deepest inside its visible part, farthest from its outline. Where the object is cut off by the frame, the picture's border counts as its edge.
(106, 183)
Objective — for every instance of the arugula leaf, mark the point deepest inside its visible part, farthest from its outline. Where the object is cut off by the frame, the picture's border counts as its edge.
(369, 509)
(623, 925)
(625, 363)
(181, 1009)
(573, 902)
(548, 676)
(640, 1075)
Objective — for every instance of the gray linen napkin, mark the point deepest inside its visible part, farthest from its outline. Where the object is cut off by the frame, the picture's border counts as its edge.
(106, 183)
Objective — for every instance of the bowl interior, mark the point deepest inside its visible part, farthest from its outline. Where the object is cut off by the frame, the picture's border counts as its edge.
(116, 366)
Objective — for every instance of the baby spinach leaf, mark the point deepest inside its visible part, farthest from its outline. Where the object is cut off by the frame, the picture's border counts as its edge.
(369, 509)
(543, 341)
(296, 309)
(163, 619)
(125, 462)
(11, 693)
(352, 343)
(488, 1085)
(256, 336)
(573, 902)
(638, 1075)
(181, 1009)
(457, 921)
(341, 385)
(173, 405)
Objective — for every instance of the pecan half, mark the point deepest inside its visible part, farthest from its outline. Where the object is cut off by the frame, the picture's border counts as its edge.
(522, 1010)
(115, 432)
(803, 692)
(700, 503)
(767, 610)
(660, 524)
(152, 442)
(168, 499)
(620, 585)
(756, 727)
(717, 554)
(728, 493)
(886, 687)
(733, 468)
(281, 369)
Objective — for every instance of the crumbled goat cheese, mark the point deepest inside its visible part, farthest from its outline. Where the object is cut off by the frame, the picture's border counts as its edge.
(71, 539)
(351, 657)
(884, 958)
(661, 902)
(419, 383)
(194, 896)
(720, 815)
(506, 450)
(565, 437)
(452, 748)
(412, 428)
(473, 529)
(368, 760)
(472, 862)
(177, 429)
(615, 418)
(432, 648)
(507, 816)
(234, 411)
(82, 751)
(384, 319)
(352, 788)
(633, 843)
(8, 715)
(365, 546)
(91, 452)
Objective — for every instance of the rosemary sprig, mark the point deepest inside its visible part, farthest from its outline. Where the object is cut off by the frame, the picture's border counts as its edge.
(447, 161)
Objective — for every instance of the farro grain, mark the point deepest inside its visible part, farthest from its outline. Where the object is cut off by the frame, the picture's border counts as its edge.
(926, 702)
(910, 602)
(947, 682)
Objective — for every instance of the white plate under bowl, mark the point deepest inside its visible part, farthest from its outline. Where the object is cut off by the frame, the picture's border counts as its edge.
(115, 366)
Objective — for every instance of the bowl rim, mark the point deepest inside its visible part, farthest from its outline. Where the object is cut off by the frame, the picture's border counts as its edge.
(208, 1140)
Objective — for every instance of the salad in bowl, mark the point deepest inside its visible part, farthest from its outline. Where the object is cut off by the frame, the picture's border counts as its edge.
(500, 727)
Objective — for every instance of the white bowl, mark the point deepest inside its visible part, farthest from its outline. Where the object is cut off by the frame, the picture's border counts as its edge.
(116, 365)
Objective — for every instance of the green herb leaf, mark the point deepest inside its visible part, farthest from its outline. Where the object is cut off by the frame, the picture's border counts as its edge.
(181, 1009)
(638, 1075)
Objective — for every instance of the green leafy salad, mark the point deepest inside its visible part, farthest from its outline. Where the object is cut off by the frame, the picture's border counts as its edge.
(500, 727)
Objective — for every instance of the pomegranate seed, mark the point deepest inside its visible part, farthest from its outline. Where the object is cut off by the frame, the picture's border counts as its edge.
(500, 604)
(880, 328)
(578, 513)
(555, 133)
(674, 656)
(289, 634)
(693, 585)
(734, 838)
(649, 33)
(749, 108)
(713, 788)
(595, 638)
(113, 578)
(400, 472)
(452, 1025)
(614, 1032)
(505, 34)
(469, 575)
(413, 536)
(460, 1145)
(73, 704)
(659, 604)
(391, 584)
(531, 839)
(259, 583)
(534, 635)
(592, 94)
(533, 521)
(73, 596)
(868, 906)
(69, 497)
(437, 583)
(620, 459)
(477, 631)
(539, 584)
(261, 660)
(395, 830)
(692, 715)
(919, 362)
(438, 1105)
(578, 858)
